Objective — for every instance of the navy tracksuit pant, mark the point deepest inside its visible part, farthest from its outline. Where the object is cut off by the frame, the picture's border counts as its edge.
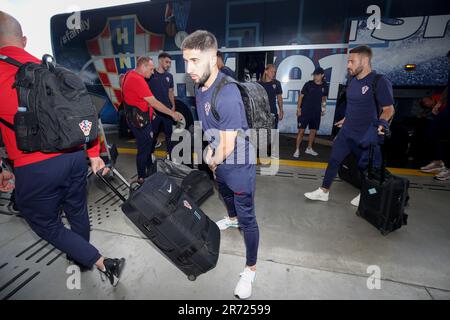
(167, 124)
(43, 188)
(344, 144)
(237, 185)
(144, 143)
(439, 129)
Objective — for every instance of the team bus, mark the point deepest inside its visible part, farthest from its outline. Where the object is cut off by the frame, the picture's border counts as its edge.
(409, 39)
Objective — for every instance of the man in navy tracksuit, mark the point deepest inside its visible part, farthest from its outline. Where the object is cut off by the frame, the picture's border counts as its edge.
(311, 106)
(229, 155)
(274, 92)
(361, 116)
(161, 85)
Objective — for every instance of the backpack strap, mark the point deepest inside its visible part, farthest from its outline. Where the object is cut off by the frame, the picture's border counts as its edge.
(374, 91)
(16, 64)
(7, 124)
(10, 61)
(123, 84)
(223, 82)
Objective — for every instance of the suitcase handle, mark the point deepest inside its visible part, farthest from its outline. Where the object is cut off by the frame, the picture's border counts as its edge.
(383, 163)
(99, 174)
(153, 237)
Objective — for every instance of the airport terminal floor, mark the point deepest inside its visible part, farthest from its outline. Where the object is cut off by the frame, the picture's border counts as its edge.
(308, 250)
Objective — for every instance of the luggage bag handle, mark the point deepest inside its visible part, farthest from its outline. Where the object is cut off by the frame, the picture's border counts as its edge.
(383, 163)
(99, 174)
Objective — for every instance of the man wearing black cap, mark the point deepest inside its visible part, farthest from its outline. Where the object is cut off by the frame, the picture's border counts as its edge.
(311, 106)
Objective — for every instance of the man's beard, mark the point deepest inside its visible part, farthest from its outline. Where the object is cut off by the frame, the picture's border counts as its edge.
(205, 77)
(357, 71)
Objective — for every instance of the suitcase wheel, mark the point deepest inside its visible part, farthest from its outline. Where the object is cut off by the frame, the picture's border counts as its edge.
(191, 277)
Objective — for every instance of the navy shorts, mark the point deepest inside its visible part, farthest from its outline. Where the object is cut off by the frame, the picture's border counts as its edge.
(311, 121)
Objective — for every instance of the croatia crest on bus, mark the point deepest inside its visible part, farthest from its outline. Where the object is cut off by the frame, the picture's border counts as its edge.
(116, 49)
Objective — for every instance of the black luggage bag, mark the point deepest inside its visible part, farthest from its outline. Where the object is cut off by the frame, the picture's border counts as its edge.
(174, 223)
(197, 184)
(383, 198)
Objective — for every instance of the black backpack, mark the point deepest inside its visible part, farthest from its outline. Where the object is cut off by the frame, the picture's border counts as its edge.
(256, 103)
(55, 111)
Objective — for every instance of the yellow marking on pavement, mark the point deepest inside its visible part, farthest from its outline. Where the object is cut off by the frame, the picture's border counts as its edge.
(294, 163)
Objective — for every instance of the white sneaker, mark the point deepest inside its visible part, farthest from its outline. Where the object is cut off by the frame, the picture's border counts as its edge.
(355, 201)
(226, 223)
(243, 288)
(433, 168)
(443, 175)
(273, 157)
(296, 153)
(319, 194)
(311, 152)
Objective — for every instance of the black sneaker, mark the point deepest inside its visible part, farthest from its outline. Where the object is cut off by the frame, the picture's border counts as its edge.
(113, 270)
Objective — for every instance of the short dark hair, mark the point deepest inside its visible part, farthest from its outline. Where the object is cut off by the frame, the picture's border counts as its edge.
(364, 50)
(164, 55)
(201, 40)
(143, 60)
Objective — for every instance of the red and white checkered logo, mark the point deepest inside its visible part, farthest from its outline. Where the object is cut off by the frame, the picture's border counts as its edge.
(207, 108)
(86, 127)
(364, 89)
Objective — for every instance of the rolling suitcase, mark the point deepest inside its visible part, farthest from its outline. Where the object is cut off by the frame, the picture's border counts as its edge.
(350, 172)
(174, 223)
(197, 184)
(383, 198)
(176, 171)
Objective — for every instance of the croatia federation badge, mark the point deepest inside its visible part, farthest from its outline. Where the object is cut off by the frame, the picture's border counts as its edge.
(207, 108)
(86, 127)
(365, 89)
